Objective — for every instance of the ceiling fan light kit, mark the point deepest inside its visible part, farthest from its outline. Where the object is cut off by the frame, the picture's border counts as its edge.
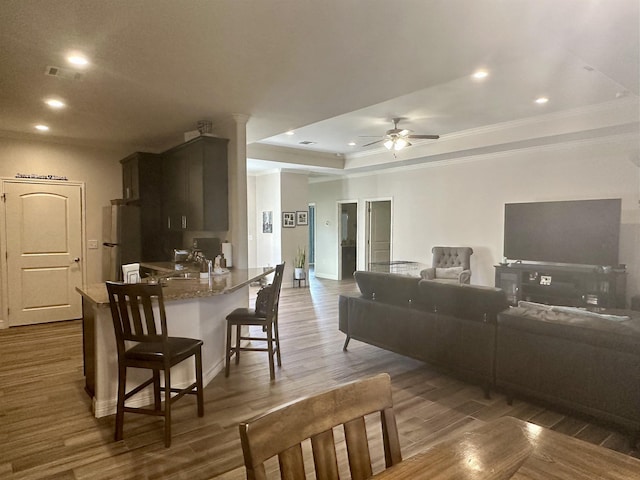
(397, 143)
(396, 139)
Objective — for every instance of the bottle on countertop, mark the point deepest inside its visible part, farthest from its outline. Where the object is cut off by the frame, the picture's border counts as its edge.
(223, 261)
(205, 272)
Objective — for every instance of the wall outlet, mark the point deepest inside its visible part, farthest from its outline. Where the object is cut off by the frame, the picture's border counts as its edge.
(93, 244)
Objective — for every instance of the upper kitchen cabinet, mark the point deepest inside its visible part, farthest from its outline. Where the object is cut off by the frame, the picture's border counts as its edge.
(142, 186)
(141, 176)
(196, 195)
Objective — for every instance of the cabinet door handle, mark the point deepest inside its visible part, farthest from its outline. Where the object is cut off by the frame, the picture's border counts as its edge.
(127, 192)
(184, 221)
(169, 222)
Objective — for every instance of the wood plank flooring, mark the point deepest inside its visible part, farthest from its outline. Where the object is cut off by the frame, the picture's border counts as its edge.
(47, 430)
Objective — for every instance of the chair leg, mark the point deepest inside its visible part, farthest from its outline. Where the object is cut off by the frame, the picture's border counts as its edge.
(238, 327)
(167, 407)
(277, 338)
(228, 354)
(157, 402)
(200, 394)
(122, 385)
(272, 369)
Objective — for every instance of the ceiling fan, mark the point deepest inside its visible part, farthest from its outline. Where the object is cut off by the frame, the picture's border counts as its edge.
(397, 139)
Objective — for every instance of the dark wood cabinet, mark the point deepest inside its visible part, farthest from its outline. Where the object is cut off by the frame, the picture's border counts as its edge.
(578, 286)
(130, 177)
(195, 193)
(142, 186)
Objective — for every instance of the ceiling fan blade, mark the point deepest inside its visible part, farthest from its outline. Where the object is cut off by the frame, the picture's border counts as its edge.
(428, 137)
(372, 143)
(369, 136)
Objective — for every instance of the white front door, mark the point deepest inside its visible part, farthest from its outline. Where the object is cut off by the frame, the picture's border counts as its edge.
(43, 239)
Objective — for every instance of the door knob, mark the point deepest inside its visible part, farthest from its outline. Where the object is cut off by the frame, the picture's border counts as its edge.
(77, 259)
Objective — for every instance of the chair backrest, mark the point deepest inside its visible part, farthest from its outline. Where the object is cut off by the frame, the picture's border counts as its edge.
(274, 297)
(445, 257)
(132, 313)
(281, 431)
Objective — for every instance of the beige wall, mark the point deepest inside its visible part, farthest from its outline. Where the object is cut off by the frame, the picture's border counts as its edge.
(98, 169)
(295, 197)
(267, 199)
(462, 203)
(277, 192)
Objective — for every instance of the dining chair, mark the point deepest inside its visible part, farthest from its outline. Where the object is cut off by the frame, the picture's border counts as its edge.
(267, 319)
(134, 322)
(282, 431)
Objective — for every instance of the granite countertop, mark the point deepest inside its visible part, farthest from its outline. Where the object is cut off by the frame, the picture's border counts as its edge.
(183, 289)
(171, 267)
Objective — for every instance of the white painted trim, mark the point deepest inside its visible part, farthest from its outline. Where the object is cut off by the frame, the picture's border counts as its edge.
(630, 139)
(339, 203)
(625, 109)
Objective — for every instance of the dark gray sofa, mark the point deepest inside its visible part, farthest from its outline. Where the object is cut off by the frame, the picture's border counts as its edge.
(451, 326)
(580, 361)
(584, 362)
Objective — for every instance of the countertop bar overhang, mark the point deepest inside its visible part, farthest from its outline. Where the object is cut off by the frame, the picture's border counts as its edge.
(196, 308)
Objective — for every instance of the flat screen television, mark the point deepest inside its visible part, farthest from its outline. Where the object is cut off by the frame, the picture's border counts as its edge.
(575, 232)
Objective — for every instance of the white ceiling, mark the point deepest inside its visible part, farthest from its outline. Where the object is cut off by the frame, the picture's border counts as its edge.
(332, 70)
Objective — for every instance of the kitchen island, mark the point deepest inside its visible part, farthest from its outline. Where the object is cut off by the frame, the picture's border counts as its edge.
(195, 308)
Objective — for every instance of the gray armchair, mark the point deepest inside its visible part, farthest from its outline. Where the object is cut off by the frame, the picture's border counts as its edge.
(450, 264)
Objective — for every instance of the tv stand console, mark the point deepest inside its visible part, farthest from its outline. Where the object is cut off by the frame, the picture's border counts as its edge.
(572, 285)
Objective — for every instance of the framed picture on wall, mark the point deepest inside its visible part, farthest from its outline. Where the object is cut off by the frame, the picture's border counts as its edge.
(288, 219)
(302, 218)
(267, 222)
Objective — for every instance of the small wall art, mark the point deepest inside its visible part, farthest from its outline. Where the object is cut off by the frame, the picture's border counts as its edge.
(267, 222)
(302, 217)
(288, 219)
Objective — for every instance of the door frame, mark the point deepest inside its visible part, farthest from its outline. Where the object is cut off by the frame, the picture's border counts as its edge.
(4, 270)
(339, 204)
(313, 225)
(367, 227)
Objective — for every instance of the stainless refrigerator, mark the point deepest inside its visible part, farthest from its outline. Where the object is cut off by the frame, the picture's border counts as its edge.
(120, 238)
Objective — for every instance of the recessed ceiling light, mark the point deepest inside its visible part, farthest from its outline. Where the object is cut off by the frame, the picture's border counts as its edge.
(480, 74)
(352, 144)
(42, 128)
(55, 103)
(290, 132)
(78, 60)
(541, 100)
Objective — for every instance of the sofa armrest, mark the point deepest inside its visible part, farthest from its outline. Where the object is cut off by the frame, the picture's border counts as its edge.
(465, 277)
(428, 273)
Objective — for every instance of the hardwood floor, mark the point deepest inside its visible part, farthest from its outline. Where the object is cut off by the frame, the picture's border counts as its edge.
(47, 430)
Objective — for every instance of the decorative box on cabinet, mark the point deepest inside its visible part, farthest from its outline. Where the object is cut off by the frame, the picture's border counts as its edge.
(578, 286)
(196, 193)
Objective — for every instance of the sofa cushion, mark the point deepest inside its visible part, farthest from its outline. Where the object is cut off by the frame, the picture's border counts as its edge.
(449, 272)
(622, 335)
(470, 302)
(387, 287)
(481, 303)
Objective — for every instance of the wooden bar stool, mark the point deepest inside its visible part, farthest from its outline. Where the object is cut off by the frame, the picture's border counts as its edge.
(267, 319)
(134, 322)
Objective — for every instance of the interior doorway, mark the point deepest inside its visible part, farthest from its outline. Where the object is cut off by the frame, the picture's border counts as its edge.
(43, 251)
(312, 235)
(378, 232)
(348, 234)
